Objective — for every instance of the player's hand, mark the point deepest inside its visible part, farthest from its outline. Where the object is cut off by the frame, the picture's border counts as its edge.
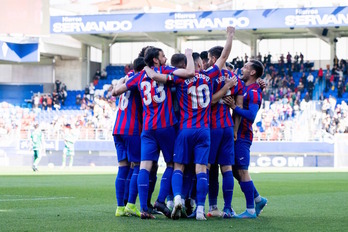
(228, 100)
(261, 83)
(230, 30)
(188, 52)
(231, 82)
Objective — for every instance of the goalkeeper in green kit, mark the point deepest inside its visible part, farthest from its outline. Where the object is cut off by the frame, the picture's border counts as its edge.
(69, 141)
(37, 142)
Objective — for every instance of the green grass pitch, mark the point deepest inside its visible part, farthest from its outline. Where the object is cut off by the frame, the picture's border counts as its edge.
(297, 202)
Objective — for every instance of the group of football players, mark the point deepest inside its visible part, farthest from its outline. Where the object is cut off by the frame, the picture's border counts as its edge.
(184, 112)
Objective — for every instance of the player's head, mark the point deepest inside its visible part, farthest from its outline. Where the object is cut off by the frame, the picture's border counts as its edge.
(68, 125)
(139, 64)
(36, 125)
(155, 57)
(178, 61)
(252, 70)
(142, 52)
(197, 61)
(213, 54)
(204, 57)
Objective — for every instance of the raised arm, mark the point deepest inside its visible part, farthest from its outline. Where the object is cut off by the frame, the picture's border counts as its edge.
(121, 87)
(190, 67)
(227, 48)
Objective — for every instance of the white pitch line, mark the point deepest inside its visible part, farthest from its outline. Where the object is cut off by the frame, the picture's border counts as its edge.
(37, 199)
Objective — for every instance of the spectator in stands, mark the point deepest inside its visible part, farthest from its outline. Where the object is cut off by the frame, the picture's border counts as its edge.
(49, 102)
(58, 83)
(288, 60)
(300, 87)
(91, 92)
(36, 101)
(340, 89)
(44, 102)
(320, 76)
(307, 97)
(301, 58)
(310, 84)
(78, 99)
(259, 57)
(103, 74)
(269, 58)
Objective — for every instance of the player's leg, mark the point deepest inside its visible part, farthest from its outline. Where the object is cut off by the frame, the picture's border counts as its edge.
(182, 153)
(246, 184)
(149, 154)
(213, 172)
(201, 156)
(65, 151)
(35, 157)
(133, 153)
(166, 141)
(71, 154)
(152, 185)
(226, 160)
(123, 168)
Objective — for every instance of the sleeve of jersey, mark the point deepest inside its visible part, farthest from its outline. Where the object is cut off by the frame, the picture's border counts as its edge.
(240, 87)
(213, 72)
(249, 114)
(132, 83)
(167, 69)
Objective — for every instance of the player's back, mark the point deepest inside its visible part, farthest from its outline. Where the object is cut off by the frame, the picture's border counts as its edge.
(129, 119)
(194, 97)
(220, 113)
(156, 100)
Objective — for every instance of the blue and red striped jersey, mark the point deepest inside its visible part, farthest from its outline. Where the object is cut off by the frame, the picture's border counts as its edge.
(252, 96)
(220, 113)
(156, 98)
(128, 118)
(194, 96)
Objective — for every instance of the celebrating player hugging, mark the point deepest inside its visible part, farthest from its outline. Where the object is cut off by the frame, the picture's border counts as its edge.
(186, 115)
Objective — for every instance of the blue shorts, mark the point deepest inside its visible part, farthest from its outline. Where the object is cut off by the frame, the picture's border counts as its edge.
(152, 141)
(242, 154)
(222, 146)
(192, 145)
(128, 147)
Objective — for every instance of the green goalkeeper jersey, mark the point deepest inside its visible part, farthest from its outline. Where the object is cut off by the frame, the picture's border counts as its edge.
(69, 140)
(36, 138)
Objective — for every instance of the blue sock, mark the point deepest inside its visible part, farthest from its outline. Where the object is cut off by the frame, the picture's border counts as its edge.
(126, 185)
(177, 180)
(119, 184)
(193, 189)
(256, 193)
(152, 184)
(202, 188)
(166, 185)
(133, 186)
(248, 190)
(170, 197)
(213, 184)
(227, 188)
(143, 188)
(186, 185)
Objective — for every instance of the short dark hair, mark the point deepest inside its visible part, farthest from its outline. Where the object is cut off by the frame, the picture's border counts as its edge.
(142, 52)
(204, 55)
(258, 67)
(139, 64)
(178, 60)
(216, 51)
(195, 56)
(150, 53)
